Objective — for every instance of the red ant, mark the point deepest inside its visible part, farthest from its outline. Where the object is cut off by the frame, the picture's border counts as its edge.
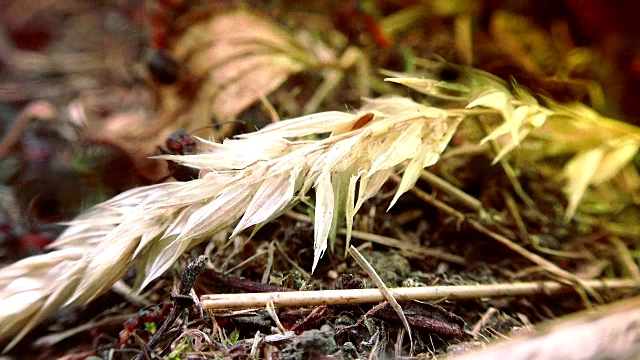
(164, 68)
(182, 143)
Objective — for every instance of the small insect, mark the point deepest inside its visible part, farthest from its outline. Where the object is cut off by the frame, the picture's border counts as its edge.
(449, 72)
(161, 16)
(180, 143)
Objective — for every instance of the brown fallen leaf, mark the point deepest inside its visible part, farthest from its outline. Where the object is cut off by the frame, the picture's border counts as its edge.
(233, 58)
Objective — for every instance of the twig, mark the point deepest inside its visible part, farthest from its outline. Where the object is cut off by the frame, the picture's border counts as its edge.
(626, 258)
(52, 339)
(302, 271)
(523, 234)
(475, 330)
(407, 246)
(362, 319)
(464, 37)
(246, 261)
(124, 290)
(269, 265)
(243, 284)
(271, 310)
(440, 183)
(361, 296)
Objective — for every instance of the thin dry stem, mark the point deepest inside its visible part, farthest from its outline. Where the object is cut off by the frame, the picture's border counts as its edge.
(418, 251)
(508, 169)
(475, 330)
(626, 258)
(437, 182)
(364, 296)
(364, 264)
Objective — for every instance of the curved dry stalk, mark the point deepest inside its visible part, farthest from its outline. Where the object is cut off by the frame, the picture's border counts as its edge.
(388, 295)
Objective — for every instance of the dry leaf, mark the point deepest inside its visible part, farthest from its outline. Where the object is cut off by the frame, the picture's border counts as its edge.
(234, 58)
(618, 156)
(323, 217)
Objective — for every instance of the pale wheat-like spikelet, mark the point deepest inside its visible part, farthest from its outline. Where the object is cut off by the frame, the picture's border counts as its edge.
(245, 181)
(521, 114)
(600, 146)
